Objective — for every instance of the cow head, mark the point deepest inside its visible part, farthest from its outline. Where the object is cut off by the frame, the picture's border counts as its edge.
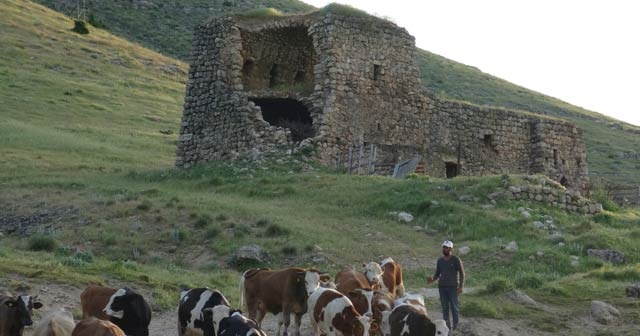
(373, 273)
(124, 302)
(213, 316)
(441, 328)
(23, 305)
(361, 300)
(313, 279)
(385, 326)
(360, 326)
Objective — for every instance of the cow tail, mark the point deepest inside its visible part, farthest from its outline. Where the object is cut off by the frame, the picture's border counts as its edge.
(242, 298)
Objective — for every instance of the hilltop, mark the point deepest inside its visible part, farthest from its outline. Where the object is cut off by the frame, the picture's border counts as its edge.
(88, 193)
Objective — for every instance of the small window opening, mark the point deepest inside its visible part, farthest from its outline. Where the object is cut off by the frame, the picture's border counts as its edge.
(247, 68)
(379, 128)
(376, 71)
(488, 140)
(564, 162)
(273, 75)
(555, 157)
(300, 75)
(578, 162)
(452, 169)
(563, 181)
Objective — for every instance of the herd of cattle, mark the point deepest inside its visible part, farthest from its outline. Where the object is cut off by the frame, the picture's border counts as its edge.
(353, 304)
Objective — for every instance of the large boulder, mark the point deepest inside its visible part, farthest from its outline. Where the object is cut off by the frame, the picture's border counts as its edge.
(249, 254)
(633, 290)
(612, 256)
(521, 298)
(604, 313)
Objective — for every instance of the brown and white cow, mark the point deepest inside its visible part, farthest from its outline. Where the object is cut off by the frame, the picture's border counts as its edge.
(414, 300)
(407, 320)
(15, 313)
(332, 314)
(124, 307)
(96, 327)
(366, 301)
(373, 272)
(392, 277)
(57, 323)
(279, 292)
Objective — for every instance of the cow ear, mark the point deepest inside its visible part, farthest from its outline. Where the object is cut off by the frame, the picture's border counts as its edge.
(37, 305)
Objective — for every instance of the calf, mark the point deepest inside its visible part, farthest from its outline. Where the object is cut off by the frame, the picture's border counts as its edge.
(96, 327)
(373, 273)
(193, 303)
(238, 325)
(392, 277)
(57, 323)
(15, 314)
(407, 320)
(333, 314)
(278, 292)
(124, 307)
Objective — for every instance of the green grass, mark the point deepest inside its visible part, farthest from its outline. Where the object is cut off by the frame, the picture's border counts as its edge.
(85, 132)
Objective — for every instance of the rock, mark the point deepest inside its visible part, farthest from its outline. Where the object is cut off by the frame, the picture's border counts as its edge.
(633, 290)
(612, 256)
(521, 298)
(495, 195)
(526, 214)
(604, 313)
(538, 225)
(317, 248)
(249, 253)
(511, 247)
(561, 244)
(464, 250)
(520, 209)
(465, 198)
(487, 206)
(435, 204)
(405, 217)
(540, 254)
(319, 259)
(418, 228)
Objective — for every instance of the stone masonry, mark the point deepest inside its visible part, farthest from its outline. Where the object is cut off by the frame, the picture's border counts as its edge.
(338, 81)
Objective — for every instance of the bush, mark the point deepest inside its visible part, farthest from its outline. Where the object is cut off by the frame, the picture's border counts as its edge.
(212, 232)
(202, 222)
(275, 230)
(80, 27)
(289, 250)
(144, 206)
(529, 281)
(42, 243)
(499, 285)
(477, 308)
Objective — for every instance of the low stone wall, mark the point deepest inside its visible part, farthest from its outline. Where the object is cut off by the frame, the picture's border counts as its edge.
(564, 199)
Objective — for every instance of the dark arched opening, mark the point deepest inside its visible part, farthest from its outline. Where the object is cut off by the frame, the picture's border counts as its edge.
(287, 113)
(452, 169)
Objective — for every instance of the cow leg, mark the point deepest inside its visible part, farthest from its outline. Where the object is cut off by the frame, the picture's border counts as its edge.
(279, 319)
(298, 321)
(286, 317)
(314, 326)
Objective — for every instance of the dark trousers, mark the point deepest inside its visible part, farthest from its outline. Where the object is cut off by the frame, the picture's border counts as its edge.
(449, 300)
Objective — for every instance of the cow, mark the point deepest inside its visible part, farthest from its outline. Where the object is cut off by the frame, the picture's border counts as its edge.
(392, 277)
(96, 327)
(237, 324)
(279, 292)
(365, 300)
(407, 320)
(193, 302)
(15, 313)
(57, 323)
(124, 307)
(373, 273)
(415, 300)
(332, 314)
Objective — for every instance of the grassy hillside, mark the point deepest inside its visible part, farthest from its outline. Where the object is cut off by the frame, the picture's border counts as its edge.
(167, 26)
(88, 193)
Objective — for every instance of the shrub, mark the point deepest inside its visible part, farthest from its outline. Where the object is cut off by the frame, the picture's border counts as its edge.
(289, 250)
(144, 206)
(96, 22)
(80, 27)
(212, 232)
(203, 221)
(477, 308)
(42, 243)
(221, 217)
(275, 230)
(262, 222)
(74, 262)
(529, 281)
(499, 285)
(261, 13)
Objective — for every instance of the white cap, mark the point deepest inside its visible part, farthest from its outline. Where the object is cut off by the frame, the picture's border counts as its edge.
(447, 243)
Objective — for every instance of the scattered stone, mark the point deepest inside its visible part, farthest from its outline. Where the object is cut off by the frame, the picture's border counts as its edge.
(539, 225)
(319, 259)
(612, 256)
(464, 250)
(465, 198)
(604, 313)
(511, 247)
(526, 214)
(540, 254)
(633, 290)
(405, 217)
(521, 298)
(317, 248)
(487, 206)
(418, 228)
(561, 244)
(249, 253)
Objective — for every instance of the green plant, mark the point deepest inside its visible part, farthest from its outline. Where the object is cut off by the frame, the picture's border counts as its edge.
(80, 27)
(499, 285)
(275, 230)
(529, 281)
(202, 221)
(42, 243)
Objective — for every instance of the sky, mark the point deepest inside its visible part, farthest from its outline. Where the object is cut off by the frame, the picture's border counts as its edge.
(586, 52)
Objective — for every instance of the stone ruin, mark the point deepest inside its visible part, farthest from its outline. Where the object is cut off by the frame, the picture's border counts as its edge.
(339, 82)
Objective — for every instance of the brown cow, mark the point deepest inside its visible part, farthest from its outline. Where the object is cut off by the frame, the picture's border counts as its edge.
(93, 301)
(392, 277)
(278, 292)
(333, 314)
(96, 327)
(58, 323)
(124, 307)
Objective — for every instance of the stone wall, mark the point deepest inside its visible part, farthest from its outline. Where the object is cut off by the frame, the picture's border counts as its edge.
(359, 83)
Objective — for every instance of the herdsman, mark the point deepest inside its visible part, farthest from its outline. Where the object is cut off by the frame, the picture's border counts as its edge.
(448, 268)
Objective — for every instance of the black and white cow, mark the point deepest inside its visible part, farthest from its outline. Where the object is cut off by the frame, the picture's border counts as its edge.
(129, 311)
(411, 320)
(193, 303)
(15, 313)
(238, 325)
